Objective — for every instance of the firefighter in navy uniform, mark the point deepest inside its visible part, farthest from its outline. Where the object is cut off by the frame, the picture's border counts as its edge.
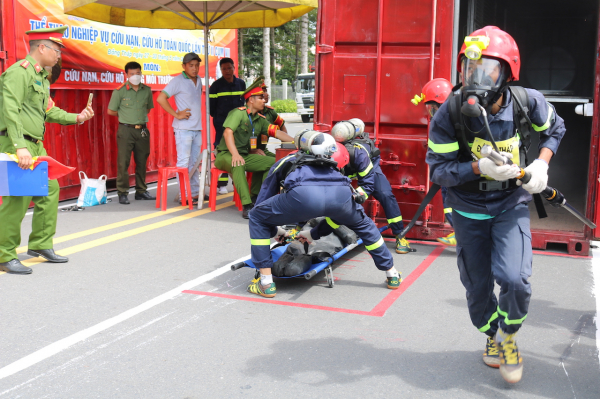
(225, 94)
(490, 213)
(313, 187)
(364, 166)
(435, 92)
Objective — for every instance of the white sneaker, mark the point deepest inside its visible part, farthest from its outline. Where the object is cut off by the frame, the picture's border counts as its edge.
(222, 190)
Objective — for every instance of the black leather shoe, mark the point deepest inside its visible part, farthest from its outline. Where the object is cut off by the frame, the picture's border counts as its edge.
(144, 196)
(246, 210)
(123, 199)
(48, 254)
(14, 266)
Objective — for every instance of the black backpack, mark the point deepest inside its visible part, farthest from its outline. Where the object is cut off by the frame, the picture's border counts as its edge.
(366, 142)
(301, 159)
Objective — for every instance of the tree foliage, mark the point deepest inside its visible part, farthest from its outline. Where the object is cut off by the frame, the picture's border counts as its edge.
(286, 50)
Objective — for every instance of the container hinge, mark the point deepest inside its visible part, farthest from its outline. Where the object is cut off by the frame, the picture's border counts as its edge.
(3, 55)
(324, 48)
(406, 186)
(399, 163)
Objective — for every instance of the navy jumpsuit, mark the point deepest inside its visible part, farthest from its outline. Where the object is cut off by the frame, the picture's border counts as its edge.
(493, 238)
(310, 191)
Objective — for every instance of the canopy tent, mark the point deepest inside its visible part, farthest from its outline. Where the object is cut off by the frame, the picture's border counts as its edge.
(191, 14)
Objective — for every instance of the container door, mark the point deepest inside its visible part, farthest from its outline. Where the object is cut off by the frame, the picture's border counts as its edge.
(373, 57)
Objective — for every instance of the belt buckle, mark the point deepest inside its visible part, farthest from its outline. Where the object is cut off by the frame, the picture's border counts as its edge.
(138, 126)
(483, 186)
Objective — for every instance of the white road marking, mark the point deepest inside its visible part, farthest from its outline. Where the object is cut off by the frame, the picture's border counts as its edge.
(110, 196)
(596, 289)
(80, 336)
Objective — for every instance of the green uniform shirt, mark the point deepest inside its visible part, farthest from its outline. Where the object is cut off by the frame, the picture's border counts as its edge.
(24, 97)
(238, 121)
(132, 105)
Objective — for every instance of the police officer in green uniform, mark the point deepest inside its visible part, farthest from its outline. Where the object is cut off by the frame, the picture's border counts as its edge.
(131, 102)
(24, 107)
(238, 152)
(274, 119)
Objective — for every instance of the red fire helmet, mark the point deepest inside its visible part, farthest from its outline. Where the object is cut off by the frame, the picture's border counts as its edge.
(341, 156)
(437, 90)
(499, 45)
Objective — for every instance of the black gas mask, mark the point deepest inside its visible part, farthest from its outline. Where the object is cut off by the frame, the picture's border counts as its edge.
(483, 82)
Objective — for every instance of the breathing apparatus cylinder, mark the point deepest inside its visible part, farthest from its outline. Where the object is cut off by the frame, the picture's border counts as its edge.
(315, 143)
(347, 130)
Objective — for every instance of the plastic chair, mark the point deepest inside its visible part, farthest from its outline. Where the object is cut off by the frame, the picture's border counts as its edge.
(184, 185)
(212, 196)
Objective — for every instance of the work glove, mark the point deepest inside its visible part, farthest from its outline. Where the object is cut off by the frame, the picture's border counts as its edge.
(500, 173)
(281, 234)
(539, 177)
(360, 196)
(305, 235)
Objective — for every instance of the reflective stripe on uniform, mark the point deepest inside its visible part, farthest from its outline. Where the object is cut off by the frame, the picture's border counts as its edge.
(395, 220)
(284, 160)
(352, 176)
(443, 148)
(260, 241)
(375, 245)
(367, 170)
(488, 325)
(224, 178)
(545, 125)
(227, 93)
(331, 223)
(447, 210)
(507, 321)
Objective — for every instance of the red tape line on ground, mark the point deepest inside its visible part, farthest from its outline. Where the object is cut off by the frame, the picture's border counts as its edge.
(378, 311)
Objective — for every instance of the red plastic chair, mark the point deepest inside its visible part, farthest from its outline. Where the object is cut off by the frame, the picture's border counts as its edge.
(184, 185)
(212, 196)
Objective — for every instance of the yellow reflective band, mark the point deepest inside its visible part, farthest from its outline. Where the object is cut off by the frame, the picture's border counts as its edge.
(447, 210)
(395, 220)
(224, 178)
(545, 125)
(507, 321)
(226, 93)
(265, 241)
(443, 148)
(376, 245)
(362, 191)
(367, 170)
(284, 160)
(352, 176)
(487, 326)
(330, 222)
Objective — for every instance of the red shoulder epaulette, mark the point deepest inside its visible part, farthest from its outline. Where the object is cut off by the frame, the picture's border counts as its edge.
(261, 115)
(268, 106)
(242, 108)
(25, 64)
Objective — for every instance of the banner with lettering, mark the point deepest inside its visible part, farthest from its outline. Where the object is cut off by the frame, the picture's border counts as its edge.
(96, 53)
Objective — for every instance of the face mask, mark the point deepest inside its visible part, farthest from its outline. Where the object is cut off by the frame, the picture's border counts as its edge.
(483, 81)
(135, 80)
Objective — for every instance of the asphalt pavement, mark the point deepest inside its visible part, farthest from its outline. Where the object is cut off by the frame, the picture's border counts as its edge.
(147, 307)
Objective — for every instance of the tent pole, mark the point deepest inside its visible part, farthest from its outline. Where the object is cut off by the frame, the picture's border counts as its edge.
(206, 87)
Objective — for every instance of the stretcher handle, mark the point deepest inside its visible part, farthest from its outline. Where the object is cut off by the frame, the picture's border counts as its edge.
(310, 274)
(237, 266)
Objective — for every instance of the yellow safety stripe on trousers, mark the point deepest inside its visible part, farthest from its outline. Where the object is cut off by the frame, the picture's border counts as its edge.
(260, 241)
(375, 245)
(545, 125)
(395, 220)
(442, 148)
(507, 321)
(226, 93)
(447, 210)
(488, 325)
(362, 191)
(331, 223)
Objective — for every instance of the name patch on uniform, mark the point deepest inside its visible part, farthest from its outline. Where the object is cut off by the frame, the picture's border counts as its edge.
(125, 99)
(38, 83)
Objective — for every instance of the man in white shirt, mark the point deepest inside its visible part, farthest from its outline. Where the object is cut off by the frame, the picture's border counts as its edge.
(187, 122)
